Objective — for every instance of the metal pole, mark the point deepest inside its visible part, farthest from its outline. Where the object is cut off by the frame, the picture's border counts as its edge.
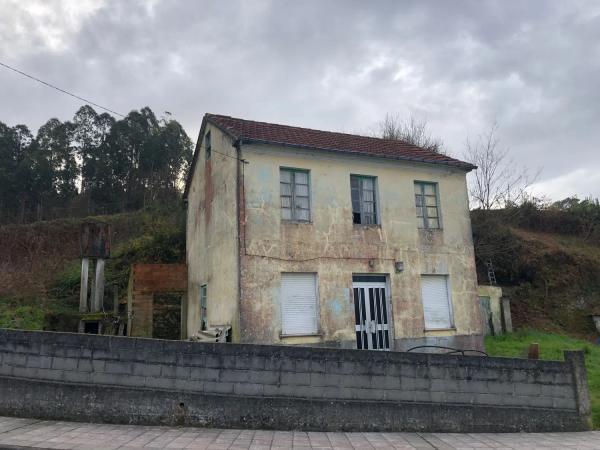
(83, 305)
(99, 286)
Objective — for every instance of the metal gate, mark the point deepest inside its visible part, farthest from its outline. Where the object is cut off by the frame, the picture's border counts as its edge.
(371, 313)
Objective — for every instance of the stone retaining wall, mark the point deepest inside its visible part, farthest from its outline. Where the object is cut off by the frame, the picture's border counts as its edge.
(137, 380)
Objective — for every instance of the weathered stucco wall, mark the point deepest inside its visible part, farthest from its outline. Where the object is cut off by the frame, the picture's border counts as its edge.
(212, 246)
(332, 246)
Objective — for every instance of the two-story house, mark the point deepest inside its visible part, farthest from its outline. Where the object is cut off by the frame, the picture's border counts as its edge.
(301, 236)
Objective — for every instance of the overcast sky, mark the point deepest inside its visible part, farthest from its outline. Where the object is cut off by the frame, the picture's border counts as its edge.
(532, 66)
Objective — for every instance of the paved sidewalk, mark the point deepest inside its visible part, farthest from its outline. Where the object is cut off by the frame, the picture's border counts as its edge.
(18, 433)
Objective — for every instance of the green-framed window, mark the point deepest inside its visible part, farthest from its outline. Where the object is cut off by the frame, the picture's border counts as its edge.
(364, 202)
(203, 308)
(426, 202)
(295, 194)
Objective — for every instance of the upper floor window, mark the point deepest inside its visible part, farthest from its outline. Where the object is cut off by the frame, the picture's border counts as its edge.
(295, 198)
(426, 201)
(364, 205)
(207, 145)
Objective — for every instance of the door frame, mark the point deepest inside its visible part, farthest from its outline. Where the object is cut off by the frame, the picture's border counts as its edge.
(387, 286)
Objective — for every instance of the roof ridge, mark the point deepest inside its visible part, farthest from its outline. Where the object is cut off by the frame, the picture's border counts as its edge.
(321, 131)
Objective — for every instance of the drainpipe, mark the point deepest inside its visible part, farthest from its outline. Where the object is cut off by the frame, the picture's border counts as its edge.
(239, 186)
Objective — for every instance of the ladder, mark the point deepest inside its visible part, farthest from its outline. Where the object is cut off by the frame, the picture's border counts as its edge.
(490, 272)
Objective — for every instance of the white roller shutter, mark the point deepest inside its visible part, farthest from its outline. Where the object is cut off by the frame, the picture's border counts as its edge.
(436, 304)
(298, 303)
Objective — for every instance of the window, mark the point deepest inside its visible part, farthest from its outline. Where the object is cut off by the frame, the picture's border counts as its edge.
(298, 303)
(203, 309)
(427, 205)
(364, 207)
(295, 201)
(207, 145)
(436, 302)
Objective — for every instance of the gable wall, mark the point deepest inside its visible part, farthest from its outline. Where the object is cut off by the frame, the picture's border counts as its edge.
(211, 241)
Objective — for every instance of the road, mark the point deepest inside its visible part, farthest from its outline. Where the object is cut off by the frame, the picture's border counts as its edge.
(17, 433)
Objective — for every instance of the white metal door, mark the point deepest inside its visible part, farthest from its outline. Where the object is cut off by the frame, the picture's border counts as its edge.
(371, 313)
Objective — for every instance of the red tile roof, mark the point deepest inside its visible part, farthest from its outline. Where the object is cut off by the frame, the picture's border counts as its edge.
(249, 131)
(262, 132)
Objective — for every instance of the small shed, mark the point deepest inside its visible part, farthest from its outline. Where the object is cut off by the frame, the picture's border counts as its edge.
(156, 295)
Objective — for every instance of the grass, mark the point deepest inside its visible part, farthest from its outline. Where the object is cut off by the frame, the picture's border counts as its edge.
(551, 347)
(21, 313)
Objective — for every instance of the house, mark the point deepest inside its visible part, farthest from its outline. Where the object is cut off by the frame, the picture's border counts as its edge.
(308, 237)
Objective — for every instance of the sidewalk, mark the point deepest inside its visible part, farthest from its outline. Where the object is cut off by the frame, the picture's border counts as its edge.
(18, 433)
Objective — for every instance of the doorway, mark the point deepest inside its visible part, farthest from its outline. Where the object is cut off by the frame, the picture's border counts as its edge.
(371, 312)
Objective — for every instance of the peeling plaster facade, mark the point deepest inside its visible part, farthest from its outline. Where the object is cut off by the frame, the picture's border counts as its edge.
(238, 245)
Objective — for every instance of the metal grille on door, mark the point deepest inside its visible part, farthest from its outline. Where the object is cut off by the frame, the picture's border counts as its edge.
(371, 312)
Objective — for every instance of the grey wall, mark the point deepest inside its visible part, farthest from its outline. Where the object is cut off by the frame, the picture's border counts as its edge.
(137, 380)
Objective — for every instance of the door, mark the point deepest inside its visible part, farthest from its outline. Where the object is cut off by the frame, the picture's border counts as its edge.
(486, 316)
(371, 313)
(166, 316)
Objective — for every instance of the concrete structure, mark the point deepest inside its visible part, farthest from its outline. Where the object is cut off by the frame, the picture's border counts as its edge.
(252, 257)
(68, 376)
(156, 302)
(495, 310)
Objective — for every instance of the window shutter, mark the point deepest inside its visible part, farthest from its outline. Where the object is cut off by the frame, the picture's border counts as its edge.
(298, 303)
(436, 305)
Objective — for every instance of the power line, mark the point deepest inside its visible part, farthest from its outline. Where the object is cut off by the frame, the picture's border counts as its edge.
(223, 154)
(83, 99)
(60, 90)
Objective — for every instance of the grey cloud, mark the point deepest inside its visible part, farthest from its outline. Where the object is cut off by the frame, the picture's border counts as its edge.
(532, 66)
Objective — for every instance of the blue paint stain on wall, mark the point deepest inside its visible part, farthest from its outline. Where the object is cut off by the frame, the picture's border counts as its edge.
(265, 175)
(266, 183)
(335, 306)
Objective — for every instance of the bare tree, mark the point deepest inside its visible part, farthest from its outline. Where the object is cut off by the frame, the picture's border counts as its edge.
(411, 130)
(498, 181)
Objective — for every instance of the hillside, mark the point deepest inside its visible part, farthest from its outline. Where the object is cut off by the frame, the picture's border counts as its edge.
(550, 269)
(40, 263)
(543, 260)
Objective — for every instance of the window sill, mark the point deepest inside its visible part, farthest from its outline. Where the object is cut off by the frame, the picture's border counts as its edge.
(283, 336)
(430, 229)
(366, 225)
(297, 222)
(429, 330)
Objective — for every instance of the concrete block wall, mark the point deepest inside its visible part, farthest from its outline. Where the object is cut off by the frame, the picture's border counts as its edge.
(285, 387)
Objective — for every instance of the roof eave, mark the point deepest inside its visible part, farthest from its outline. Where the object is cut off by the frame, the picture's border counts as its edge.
(460, 165)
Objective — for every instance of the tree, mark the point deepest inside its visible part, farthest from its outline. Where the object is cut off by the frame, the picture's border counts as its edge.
(89, 133)
(497, 181)
(54, 142)
(93, 164)
(411, 130)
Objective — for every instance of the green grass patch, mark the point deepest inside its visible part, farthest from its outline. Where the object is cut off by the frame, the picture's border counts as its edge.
(551, 347)
(21, 313)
